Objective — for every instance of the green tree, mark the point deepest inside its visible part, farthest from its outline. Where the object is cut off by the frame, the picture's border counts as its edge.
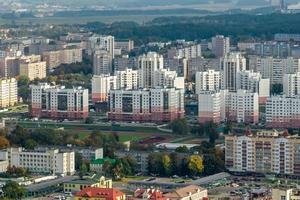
(175, 164)
(82, 170)
(23, 87)
(179, 126)
(195, 165)
(89, 120)
(155, 165)
(30, 144)
(166, 161)
(78, 160)
(277, 88)
(182, 149)
(13, 190)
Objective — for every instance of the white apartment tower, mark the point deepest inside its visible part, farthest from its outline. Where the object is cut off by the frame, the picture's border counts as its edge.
(167, 78)
(8, 92)
(218, 106)
(231, 65)
(101, 85)
(253, 82)
(291, 84)
(283, 112)
(209, 80)
(148, 64)
(220, 45)
(127, 79)
(211, 104)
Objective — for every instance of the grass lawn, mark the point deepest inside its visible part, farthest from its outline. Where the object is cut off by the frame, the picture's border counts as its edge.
(130, 137)
(124, 137)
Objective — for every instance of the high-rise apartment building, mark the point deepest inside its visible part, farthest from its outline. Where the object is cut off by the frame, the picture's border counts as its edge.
(127, 79)
(148, 64)
(33, 70)
(240, 106)
(8, 92)
(167, 78)
(58, 102)
(291, 84)
(283, 112)
(231, 65)
(102, 62)
(102, 42)
(253, 82)
(62, 56)
(275, 68)
(101, 85)
(211, 106)
(10, 66)
(263, 152)
(220, 45)
(209, 80)
(156, 105)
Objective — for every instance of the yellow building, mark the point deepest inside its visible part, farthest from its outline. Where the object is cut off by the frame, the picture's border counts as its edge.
(80, 184)
(33, 70)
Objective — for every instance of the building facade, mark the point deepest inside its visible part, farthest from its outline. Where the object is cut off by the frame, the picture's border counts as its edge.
(209, 80)
(33, 70)
(216, 106)
(148, 64)
(231, 65)
(101, 85)
(57, 102)
(291, 84)
(220, 45)
(156, 105)
(8, 92)
(48, 162)
(283, 112)
(263, 152)
(253, 82)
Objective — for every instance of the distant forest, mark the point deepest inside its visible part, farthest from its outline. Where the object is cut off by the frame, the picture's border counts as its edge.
(194, 28)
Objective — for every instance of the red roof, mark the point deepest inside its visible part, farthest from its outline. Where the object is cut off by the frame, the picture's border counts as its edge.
(107, 193)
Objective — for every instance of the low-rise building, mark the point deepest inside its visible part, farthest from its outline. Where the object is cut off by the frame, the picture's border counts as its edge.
(141, 158)
(285, 193)
(191, 192)
(44, 162)
(87, 153)
(100, 193)
(97, 165)
(80, 184)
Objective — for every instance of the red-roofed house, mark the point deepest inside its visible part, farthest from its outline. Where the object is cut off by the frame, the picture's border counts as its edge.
(148, 194)
(100, 193)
